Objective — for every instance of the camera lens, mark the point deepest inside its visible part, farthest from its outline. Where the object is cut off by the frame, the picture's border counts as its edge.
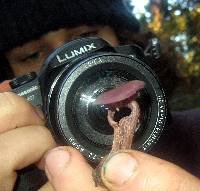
(83, 124)
(91, 118)
(98, 114)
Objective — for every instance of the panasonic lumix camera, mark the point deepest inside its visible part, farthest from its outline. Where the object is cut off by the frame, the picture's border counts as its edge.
(70, 80)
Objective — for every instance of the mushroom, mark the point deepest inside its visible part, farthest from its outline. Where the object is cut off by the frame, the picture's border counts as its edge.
(122, 96)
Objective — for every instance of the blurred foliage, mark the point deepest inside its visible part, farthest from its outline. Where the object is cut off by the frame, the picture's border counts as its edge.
(178, 23)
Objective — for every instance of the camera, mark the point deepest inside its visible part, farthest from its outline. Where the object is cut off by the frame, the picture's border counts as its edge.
(74, 75)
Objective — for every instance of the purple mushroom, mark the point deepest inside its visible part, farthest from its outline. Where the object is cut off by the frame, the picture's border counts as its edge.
(121, 95)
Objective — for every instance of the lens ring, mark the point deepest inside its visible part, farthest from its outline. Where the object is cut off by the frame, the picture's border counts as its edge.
(99, 63)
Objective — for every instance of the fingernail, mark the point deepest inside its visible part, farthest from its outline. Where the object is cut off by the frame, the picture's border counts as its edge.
(119, 168)
(56, 161)
(39, 113)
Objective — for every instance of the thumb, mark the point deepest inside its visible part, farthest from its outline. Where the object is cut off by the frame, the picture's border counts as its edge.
(67, 170)
(133, 170)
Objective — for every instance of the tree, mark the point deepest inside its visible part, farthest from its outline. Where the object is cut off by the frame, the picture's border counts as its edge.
(178, 22)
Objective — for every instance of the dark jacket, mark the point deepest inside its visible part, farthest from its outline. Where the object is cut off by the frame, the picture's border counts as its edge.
(180, 141)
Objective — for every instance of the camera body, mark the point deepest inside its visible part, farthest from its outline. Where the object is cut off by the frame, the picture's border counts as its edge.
(75, 74)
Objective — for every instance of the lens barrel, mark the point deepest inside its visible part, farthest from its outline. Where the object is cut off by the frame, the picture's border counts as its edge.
(77, 121)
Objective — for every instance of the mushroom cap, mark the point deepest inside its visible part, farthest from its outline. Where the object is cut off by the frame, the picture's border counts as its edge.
(120, 95)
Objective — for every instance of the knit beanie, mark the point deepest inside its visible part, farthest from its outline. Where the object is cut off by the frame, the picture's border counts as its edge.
(25, 20)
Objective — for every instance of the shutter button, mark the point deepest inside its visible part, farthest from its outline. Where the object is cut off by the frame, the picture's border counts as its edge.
(19, 81)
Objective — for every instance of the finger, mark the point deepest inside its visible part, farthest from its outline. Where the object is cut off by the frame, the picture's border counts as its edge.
(5, 86)
(46, 187)
(67, 170)
(131, 170)
(17, 112)
(20, 148)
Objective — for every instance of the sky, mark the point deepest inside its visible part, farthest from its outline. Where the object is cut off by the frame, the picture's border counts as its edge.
(139, 7)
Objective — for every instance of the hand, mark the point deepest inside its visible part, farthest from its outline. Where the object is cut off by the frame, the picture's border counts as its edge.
(127, 170)
(23, 137)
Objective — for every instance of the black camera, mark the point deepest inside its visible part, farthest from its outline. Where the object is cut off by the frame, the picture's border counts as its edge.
(74, 75)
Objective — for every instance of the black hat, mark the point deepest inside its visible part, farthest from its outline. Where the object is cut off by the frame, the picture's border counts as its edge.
(25, 20)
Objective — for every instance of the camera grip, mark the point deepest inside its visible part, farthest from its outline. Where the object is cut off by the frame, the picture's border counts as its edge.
(30, 179)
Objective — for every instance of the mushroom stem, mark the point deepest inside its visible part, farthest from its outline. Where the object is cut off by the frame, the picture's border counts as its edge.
(123, 135)
(125, 128)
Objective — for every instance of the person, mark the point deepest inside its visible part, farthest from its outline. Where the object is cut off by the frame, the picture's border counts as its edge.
(29, 31)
